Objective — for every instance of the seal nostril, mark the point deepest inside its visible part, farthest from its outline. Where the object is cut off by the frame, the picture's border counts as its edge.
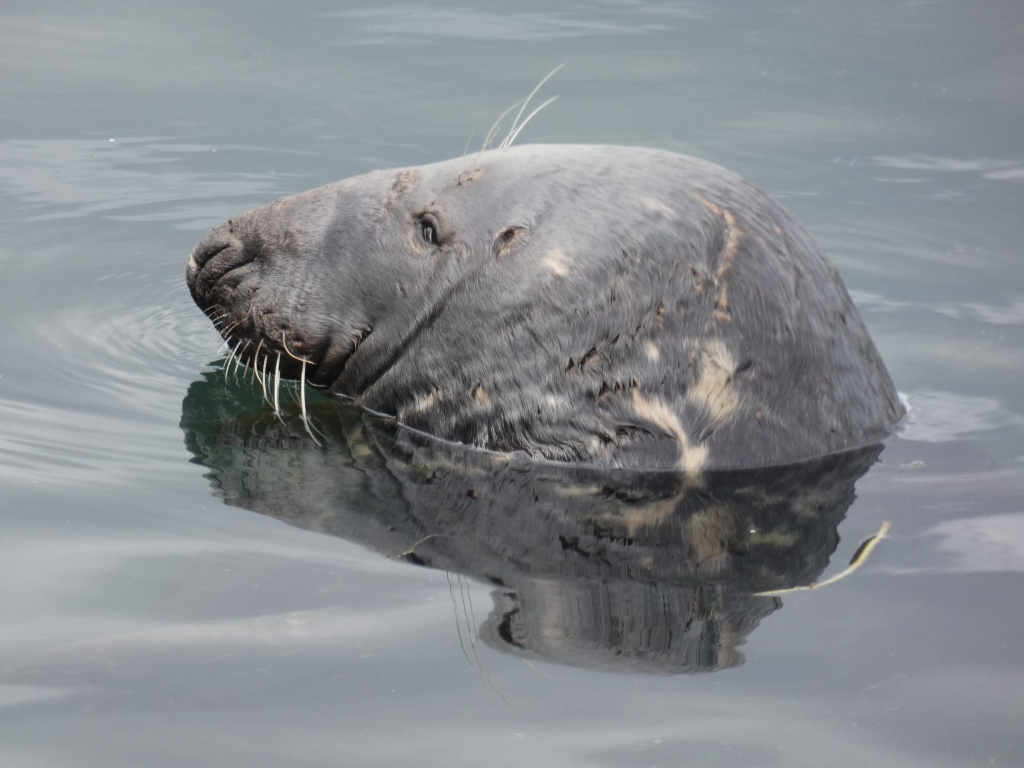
(203, 256)
(215, 242)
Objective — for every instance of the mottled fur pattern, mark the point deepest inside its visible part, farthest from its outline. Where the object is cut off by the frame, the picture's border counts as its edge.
(611, 306)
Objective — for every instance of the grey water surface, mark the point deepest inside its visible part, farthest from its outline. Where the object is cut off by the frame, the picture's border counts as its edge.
(186, 580)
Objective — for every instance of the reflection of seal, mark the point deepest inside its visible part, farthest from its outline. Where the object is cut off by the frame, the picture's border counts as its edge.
(611, 306)
(616, 570)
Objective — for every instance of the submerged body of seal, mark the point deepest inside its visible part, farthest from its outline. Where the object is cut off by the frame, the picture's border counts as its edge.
(613, 306)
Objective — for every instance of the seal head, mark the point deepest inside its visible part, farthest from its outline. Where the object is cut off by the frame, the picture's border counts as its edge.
(612, 306)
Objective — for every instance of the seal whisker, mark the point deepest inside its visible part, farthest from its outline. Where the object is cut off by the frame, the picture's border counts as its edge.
(465, 149)
(284, 343)
(277, 387)
(302, 403)
(227, 362)
(508, 142)
(263, 381)
(238, 357)
(227, 331)
(490, 134)
(512, 131)
(255, 364)
(215, 312)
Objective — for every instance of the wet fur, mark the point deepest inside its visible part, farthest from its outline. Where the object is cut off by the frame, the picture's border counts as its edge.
(612, 306)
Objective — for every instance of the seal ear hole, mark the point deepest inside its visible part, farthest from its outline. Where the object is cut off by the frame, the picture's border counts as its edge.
(504, 240)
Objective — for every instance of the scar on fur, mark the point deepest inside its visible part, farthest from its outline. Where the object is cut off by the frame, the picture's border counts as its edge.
(726, 258)
(467, 176)
(692, 458)
(714, 388)
(557, 261)
(405, 181)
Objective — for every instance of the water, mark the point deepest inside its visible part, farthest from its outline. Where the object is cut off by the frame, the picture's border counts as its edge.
(148, 622)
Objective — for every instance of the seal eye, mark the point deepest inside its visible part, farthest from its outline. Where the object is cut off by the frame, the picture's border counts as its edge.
(428, 230)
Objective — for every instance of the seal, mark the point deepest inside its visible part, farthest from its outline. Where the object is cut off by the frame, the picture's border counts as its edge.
(600, 305)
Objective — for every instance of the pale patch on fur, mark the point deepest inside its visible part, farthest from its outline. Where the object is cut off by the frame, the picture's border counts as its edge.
(575, 491)
(362, 451)
(556, 401)
(714, 388)
(598, 447)
(557, 261)
(727, 257)
(692, 458)
(422, 403)
(480, 395)
(638, 519)
(657, 206)
(653, 353)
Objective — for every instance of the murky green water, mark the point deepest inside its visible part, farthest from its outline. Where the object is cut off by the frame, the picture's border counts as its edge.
(148, 622)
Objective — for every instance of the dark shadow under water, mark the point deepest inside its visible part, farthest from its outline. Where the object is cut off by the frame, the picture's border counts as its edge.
(617, 571)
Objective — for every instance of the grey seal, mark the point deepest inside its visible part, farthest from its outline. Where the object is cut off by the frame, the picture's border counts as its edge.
(601, 305)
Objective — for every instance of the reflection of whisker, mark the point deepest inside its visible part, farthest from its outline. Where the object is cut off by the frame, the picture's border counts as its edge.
(482, 672)
(458, 622)
(859, 558)
(463, 589)
(312, 425)
(538, 670)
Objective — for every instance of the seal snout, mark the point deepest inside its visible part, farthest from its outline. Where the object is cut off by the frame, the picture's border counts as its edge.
(217, 241)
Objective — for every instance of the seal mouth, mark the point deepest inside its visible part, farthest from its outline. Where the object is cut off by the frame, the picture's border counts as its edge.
(264, 343)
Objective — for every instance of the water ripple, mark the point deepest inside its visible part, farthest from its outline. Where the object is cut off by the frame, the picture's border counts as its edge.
(109, 409)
